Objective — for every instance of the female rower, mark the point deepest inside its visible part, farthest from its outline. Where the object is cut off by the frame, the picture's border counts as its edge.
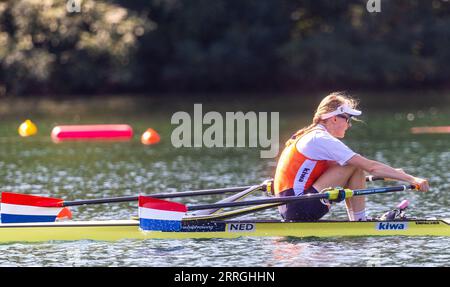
(314, 159)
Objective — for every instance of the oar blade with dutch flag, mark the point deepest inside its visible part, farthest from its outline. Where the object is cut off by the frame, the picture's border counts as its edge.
(160, 215)
(21, 208)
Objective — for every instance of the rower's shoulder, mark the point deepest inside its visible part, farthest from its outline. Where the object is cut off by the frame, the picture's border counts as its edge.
(316, 133)
(319, 135)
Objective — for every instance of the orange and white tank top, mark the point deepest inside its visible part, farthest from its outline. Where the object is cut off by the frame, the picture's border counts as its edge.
(305, 160)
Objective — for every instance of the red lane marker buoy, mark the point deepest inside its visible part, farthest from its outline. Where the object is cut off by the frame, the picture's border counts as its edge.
(92, 133)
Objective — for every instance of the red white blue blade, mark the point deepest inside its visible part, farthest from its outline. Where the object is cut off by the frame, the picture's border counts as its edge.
(17, 208)
(160, 215)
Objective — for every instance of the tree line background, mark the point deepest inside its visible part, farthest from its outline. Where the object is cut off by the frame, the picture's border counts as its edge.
(167, 46)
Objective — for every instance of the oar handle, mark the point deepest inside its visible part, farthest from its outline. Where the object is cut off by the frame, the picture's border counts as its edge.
(374, 178)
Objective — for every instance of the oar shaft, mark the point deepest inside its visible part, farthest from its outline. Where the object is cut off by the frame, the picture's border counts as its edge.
(287, 199)
(358, 192)
(172, 195)
(202, 192)
(157, 195)
(100, 200)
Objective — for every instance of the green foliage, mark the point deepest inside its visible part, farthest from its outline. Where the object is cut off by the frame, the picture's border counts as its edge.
(343, 44)
(221, 45)
(43, 47)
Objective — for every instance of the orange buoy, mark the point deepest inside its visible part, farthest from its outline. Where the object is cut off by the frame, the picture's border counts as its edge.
(150, 136)
(27, 128)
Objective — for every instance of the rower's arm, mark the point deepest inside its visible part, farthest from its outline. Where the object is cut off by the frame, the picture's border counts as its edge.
(380, 169)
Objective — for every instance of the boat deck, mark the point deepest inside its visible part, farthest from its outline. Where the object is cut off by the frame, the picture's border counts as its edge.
(112, 230)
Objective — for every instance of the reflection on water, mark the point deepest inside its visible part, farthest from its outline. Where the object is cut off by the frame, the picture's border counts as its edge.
(289, 254)
(91, 170)
(243, 252)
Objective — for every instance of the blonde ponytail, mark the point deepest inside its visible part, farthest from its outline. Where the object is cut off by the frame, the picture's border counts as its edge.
(327, 105)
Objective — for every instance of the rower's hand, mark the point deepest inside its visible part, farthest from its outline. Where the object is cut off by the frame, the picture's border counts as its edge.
(421, 183)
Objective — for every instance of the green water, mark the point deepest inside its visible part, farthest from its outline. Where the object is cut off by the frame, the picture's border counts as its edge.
(36, 165)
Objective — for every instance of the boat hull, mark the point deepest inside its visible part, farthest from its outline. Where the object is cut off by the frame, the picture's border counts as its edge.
(129, 229)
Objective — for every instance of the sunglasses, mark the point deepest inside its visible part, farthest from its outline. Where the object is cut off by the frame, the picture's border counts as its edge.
(347, 119)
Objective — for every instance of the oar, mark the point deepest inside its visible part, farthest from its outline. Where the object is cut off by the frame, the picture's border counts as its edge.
(158, 195)
(330, 195)
(16, 207)
(244, 189)
(200, 215)
(62, 203)
(207, 213)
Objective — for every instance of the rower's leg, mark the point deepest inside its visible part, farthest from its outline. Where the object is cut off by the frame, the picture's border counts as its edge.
(334, 176)
(349, 177)
(356, 206)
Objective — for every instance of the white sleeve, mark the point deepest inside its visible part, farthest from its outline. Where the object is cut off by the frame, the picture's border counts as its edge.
(325, 147)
